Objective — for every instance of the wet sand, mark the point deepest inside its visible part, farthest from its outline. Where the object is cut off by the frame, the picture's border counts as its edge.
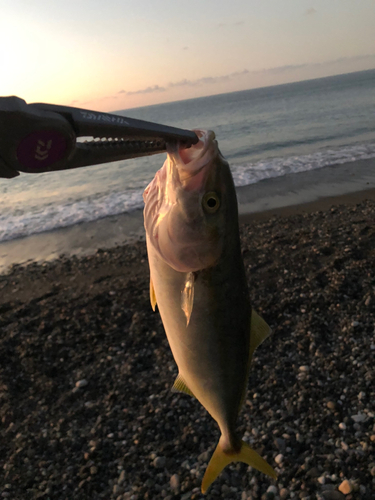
(308, 191)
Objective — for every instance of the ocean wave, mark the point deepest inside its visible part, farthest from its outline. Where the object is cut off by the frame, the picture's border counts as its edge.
(250, 173)
(17, 223)
(271, 146)
(58, 216)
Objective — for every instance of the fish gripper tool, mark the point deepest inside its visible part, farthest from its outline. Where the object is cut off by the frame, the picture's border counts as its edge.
(42, 137)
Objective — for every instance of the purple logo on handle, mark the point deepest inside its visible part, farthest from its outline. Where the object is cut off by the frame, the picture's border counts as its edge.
(41, 149)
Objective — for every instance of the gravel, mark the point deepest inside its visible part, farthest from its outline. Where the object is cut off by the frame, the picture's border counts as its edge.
(86, 409)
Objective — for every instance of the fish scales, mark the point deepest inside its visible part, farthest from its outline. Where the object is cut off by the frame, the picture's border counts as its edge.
(198, 280)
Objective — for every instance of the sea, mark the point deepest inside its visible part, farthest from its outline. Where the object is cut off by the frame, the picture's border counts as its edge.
(263, 133)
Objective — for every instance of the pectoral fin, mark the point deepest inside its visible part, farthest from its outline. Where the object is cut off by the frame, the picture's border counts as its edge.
(152, 295)
(180, 386)
(259, 332)
(187, 297)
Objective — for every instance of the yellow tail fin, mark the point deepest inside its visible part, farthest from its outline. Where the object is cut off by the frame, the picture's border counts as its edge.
(220, 460)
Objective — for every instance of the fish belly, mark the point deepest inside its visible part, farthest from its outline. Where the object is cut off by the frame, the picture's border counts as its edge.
(212, 351)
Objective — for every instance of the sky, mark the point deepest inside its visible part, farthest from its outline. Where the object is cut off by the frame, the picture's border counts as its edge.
(119, 54)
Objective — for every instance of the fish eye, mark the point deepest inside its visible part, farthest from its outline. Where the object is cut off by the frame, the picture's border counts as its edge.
(211, 202)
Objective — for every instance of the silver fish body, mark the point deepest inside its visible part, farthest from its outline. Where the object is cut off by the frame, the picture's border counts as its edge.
(198, 281)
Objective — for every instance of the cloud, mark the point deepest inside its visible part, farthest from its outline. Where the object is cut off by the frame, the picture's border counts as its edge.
(187, 83)
(212, 80)
(208, 80)
(185, 48)
(310, 12)
(283, 69)
(148, 90)
(180, 83)
(353, 58)
(292, 67)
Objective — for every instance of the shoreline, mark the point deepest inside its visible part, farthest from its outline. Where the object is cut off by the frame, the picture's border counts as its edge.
(322, 204)
(303, 192)
(343, 183)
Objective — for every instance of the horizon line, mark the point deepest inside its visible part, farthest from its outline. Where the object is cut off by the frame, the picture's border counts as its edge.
(244, 90)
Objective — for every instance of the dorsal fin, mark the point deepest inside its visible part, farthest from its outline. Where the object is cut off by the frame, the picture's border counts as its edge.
(259, 331)
(180, 386)
(152, 295)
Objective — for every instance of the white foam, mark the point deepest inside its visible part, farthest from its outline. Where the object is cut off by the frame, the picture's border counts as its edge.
(250, 173)
(18, 220)
(54, 217)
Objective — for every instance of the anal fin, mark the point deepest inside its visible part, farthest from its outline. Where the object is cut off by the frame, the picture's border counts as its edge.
(180, 386)
(258, 333)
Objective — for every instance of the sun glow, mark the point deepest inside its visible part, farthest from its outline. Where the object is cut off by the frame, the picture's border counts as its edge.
(119, 55)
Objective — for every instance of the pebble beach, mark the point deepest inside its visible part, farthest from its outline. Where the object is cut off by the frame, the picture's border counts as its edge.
(86, 410)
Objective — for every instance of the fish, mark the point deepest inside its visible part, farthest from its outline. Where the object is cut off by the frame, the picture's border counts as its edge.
(198, 282)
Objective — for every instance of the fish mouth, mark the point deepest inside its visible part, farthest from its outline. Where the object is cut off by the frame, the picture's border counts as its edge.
(190, 162)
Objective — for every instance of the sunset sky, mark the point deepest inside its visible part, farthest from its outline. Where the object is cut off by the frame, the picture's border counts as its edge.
(117, 54)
